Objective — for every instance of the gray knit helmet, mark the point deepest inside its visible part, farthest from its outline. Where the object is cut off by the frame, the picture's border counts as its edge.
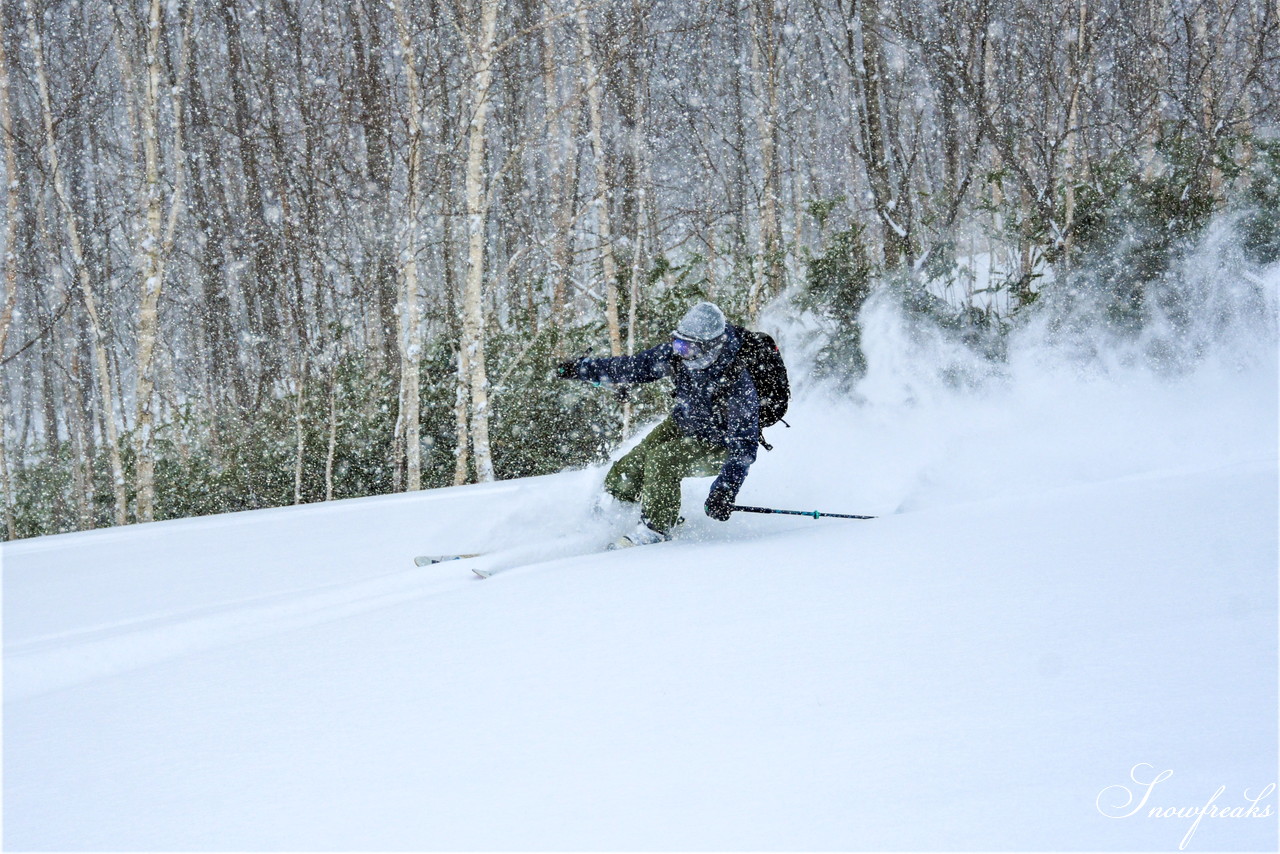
(704, 322)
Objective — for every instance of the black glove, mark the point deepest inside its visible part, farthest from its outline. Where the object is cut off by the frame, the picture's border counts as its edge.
(568, 370)
(719, 505)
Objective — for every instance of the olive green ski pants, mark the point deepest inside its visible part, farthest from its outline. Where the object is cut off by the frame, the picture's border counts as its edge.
(651, 472)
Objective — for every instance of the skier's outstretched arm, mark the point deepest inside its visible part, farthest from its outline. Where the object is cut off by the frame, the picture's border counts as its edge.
(644, 367)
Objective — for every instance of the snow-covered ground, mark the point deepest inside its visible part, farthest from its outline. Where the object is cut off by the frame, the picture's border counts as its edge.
(1071, 589)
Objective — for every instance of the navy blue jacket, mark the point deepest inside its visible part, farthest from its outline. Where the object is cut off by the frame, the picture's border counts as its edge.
(716, 405)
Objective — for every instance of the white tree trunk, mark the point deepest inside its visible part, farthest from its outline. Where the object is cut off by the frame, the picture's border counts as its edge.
(151, 264)
(564, 169)
(1210, 51)
(1156, 20)
(11, 203)
(157, 243)
(410, 314)
(11, 179)
(477, 203)
(461, 413)
(332, 450)
(639, 152)
(603, 190)
(6, 480)
(81, 464)
(299, 432)
(1072, 157)
(764, 77)
(102, 368)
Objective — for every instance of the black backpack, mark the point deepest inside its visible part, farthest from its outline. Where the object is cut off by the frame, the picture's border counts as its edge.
(760, 356)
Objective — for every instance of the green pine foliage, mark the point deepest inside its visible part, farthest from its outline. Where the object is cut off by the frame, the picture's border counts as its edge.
(1131, 228)
(1259, 204)
(42, 488)
(837, 283)
(541, 424)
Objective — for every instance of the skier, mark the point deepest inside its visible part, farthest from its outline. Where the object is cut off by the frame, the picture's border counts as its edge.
(713, 428)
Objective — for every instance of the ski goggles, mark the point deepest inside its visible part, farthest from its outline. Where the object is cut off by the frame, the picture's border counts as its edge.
(687, 348)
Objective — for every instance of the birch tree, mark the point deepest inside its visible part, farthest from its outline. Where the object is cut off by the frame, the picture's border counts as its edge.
(865, 55)
(157, 239)
(10, 265)
(410, 314)
(1074, 151)
(563, 126)
(643, 179)
(102, 367)
(12, 187)
(764, 77)
(604, 231)
(483, 51)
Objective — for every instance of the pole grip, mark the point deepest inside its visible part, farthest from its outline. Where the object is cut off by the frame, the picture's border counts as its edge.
(742, 509)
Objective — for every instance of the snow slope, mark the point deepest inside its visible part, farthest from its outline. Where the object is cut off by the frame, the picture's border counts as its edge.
(1072, 588)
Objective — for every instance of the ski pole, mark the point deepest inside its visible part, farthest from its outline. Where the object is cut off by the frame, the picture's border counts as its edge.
(813, 513)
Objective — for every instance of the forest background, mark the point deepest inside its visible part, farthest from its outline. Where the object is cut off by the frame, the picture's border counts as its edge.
(263, 252)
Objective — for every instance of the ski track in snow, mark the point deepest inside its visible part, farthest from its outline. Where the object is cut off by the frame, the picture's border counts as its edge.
(42, 664)
(45, 664)
(39, 664)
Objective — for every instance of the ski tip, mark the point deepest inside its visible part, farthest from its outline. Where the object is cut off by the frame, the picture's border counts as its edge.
(482, 573)
(430, 560)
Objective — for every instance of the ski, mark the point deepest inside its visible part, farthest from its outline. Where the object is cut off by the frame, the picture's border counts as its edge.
(430, 560)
